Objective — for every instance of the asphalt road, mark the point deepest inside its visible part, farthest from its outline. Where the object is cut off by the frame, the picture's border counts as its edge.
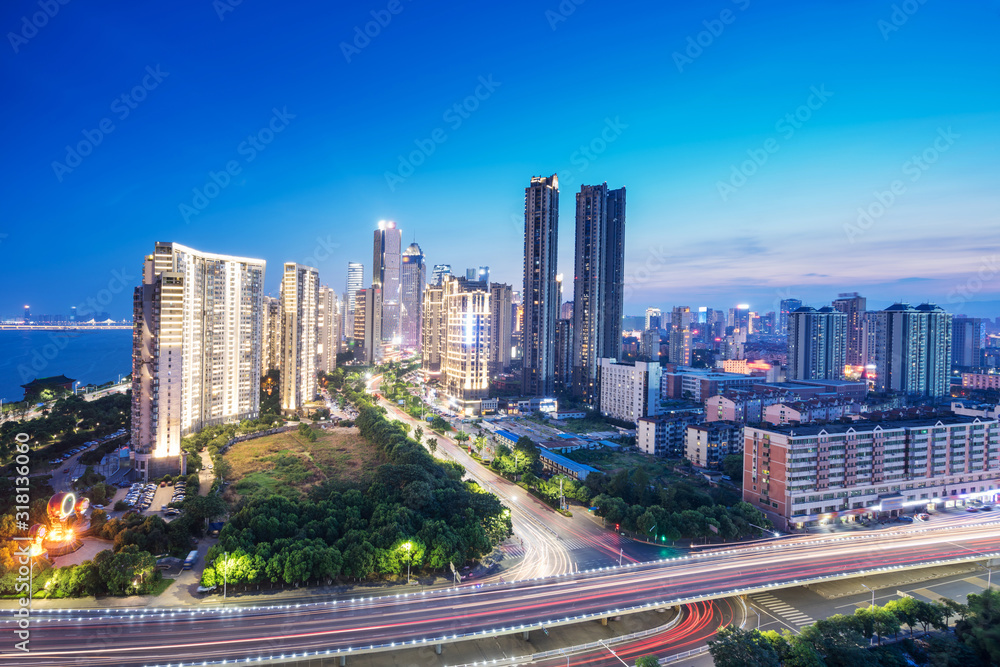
(149, 636)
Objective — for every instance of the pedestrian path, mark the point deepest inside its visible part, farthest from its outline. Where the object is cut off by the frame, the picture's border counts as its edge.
(782, 609)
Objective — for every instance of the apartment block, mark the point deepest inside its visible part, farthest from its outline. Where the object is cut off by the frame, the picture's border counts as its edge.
(801, 475)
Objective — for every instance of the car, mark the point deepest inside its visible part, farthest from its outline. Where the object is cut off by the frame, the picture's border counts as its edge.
(904, 519)
(986, 508)
(971, 509)
(65, 469)
(924, 516)
(98, 507)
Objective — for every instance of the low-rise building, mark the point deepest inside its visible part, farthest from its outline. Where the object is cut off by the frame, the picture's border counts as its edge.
(705, 445)
(812, 410)
(981, 380)
(801, 475)
(560, 465)
(567, 414)
(663, 435)
(697, 384)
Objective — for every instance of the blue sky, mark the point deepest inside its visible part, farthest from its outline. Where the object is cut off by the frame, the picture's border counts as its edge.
(602, 79)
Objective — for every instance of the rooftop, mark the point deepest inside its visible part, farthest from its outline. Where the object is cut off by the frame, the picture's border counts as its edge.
(866, 426)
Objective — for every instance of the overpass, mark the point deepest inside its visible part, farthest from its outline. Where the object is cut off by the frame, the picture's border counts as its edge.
(338, 629)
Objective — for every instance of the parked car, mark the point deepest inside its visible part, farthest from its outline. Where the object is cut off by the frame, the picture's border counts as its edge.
(986, 508)
(971, 509)
(904, 519)
(924, 516)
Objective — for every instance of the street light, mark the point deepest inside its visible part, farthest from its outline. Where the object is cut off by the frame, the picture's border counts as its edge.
(873, 596)
(408, 546)
(989, 576)
(766, 530)
(225, 574)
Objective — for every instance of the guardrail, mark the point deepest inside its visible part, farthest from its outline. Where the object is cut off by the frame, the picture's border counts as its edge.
(569, 620)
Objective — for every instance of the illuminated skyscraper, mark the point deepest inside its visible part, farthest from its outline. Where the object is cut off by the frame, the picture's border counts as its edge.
(433, 329)
(328, 326)
(355, 281)
(196, 356)
(270, 357)
(502, 328)
(467, 344)
(854, 307)
(541, 297)
(386, 263)
(299, 334)
(817, 344)
(368, 325)
(412, 281)
(597, 284)
(911, 349)
(787, 306)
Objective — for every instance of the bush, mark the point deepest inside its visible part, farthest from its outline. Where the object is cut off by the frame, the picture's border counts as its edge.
(121, 506)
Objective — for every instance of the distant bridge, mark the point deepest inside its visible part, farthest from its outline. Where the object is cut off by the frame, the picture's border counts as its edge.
(66, 326)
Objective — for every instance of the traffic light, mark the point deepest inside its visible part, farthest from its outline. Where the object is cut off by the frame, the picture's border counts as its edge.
(616, 527)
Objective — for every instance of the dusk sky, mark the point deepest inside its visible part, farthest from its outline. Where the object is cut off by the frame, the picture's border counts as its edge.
(899, 101)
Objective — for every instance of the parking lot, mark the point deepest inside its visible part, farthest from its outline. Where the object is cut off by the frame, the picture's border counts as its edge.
(151, 498)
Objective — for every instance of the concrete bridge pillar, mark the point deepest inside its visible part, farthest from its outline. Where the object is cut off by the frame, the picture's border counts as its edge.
(604, 621)
(438, 648)
(524, 635)
(343, 660)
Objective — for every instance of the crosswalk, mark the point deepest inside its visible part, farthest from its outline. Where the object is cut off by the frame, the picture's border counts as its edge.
(781, 609)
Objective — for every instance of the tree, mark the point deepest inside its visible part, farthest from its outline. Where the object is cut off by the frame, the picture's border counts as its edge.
(418, 434)
(980, 629)
(732, 466)
(432, 444)
(461, 437)
(647, 661)
(735, 647)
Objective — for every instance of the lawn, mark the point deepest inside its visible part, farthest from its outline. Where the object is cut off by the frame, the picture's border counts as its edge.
(288, 464)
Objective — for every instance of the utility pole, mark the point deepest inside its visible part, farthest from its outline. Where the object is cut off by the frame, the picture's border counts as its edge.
(225, 574)
(562, 498)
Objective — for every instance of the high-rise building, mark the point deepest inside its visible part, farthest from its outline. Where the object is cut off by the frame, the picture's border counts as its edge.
(299, 333)
(629, 391)
(355, 281)
(739, 318)
(968, 336)
(328, 326)
(649, 345)
(787, 307)
(854, 307)
(439, 272)
(433, 334)
(386, 262)
(413, 277)
(467, 344)
(653, 320)
(910, 349)
(368, 325)
(502, 329)
(196, 355)
(541, 295)
(817, 344)
(566, 310)
(481, 274)
(564, 356)
(680, 346)
(597, 283)
(270, 357)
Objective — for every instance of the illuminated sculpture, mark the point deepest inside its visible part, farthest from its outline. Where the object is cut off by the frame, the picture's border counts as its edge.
(67, 520)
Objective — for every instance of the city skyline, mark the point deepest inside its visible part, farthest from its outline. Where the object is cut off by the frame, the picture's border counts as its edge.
(857, 87)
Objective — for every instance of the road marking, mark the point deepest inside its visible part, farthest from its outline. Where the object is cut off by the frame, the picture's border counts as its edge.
(976, 581)
(782, 609)
(927, 593)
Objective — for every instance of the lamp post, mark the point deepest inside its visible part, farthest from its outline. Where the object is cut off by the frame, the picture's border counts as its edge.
(989, 576)
(408, 546)
(225, 574)
(763, 529)
(873, 596)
